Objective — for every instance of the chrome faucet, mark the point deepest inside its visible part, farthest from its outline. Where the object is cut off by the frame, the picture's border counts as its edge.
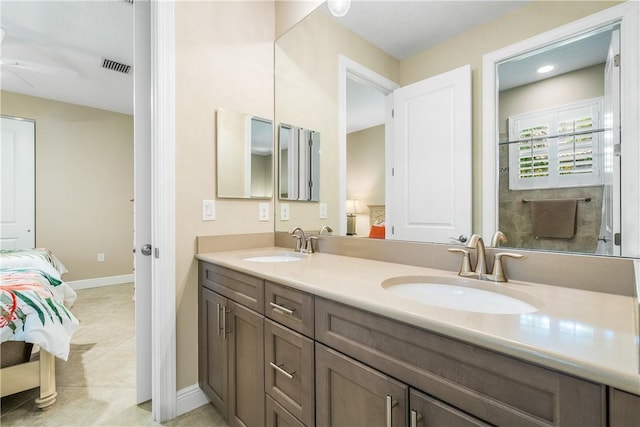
(301, 242)
(476, 242)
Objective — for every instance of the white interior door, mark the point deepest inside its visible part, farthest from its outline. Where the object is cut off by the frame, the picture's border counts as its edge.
(142, 202)
(431, 174)
(17, 164)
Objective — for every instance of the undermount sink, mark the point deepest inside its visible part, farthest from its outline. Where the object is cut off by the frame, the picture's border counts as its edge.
(278, 257)
(459, 294)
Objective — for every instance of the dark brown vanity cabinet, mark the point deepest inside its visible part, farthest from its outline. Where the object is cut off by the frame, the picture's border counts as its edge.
(460, 377)
(231, 355)
(310, 361)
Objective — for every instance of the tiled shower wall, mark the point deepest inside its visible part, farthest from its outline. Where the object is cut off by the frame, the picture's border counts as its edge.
(515, 216)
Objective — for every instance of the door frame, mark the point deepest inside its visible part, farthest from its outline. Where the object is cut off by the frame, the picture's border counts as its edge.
(628, 15)
(348, 67)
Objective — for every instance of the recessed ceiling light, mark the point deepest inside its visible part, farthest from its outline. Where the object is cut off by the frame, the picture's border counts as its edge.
(545, 69)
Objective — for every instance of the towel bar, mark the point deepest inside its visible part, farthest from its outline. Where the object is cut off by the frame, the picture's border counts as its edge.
(579, 199)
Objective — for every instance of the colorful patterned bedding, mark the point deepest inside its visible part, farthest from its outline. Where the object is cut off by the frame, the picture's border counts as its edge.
(40, 258)
(32, 310)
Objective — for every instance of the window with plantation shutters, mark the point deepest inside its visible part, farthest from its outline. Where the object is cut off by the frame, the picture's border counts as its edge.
(558, 147)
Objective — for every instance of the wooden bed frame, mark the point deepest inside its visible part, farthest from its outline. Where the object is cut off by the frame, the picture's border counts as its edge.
(36, 373)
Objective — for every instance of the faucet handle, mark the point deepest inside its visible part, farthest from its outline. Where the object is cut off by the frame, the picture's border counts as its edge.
(299, 243)
(309, 245)
(465, 268)
(497, 275)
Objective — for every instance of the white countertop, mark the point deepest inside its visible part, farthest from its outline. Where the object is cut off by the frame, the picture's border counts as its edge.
(588, 334)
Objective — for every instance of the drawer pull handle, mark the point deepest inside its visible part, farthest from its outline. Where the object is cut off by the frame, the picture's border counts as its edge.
(390, 405)
(282, 371)
(415, 418)
(281, 309)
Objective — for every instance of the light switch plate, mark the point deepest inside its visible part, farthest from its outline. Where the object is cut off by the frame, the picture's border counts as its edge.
(284, 211)
(208, 210)
(263, 214)
(323, 211)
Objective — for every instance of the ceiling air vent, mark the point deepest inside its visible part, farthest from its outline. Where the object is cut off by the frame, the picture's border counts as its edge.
(115, 66)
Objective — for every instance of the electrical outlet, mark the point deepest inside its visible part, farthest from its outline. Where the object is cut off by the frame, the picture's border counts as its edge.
(100, 257)
(263, 212)
(323, 211)
(284, 211)
(208, 210)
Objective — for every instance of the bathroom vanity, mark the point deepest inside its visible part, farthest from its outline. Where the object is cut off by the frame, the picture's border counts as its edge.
(292, 339)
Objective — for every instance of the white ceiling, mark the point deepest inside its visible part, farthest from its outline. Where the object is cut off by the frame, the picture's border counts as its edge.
(404, 28)
(59, 45)
(56, 50)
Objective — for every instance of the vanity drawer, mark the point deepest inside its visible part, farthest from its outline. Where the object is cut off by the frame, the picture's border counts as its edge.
(490, 386)
(427, 411)
(277, 416)
(289, 370)
(239, 287)
(291, 307)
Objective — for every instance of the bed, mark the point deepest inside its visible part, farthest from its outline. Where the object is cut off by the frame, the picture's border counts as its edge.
(34, 310)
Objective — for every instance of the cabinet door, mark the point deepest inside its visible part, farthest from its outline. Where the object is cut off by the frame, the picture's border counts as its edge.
(289, 370)
(212, 356)
(246, 366)
(351, 394)
(624, 408)
(426, 411)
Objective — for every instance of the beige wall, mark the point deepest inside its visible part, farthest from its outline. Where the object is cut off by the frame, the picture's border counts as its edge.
(365, 166)
(84, 184)
(579, 85)
(365, 173)
(307, 96)
(289, 13)
(224, 59)
(468, 48)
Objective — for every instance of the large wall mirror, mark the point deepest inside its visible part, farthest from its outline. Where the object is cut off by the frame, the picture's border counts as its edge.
(308, 91)
(244, 155)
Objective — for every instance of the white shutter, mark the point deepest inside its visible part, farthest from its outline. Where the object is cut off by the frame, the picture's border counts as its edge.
(558, 147)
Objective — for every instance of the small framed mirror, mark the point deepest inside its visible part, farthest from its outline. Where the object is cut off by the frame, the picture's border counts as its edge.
(299, 162)
(244, 156)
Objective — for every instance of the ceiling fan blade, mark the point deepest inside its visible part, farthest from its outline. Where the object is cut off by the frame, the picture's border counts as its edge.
(38, 67)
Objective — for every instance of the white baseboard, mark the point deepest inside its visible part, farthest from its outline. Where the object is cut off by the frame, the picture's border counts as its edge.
(190, 398)
(100, 281)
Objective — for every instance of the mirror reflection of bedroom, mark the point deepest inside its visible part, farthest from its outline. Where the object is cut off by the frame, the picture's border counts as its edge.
(67, 210)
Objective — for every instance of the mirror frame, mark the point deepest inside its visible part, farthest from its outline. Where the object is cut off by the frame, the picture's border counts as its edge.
(628, 14)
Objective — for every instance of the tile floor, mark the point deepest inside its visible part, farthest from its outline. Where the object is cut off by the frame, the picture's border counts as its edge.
(96, 386)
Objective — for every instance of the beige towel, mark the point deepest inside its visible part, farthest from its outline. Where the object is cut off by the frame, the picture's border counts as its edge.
(554, 219)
